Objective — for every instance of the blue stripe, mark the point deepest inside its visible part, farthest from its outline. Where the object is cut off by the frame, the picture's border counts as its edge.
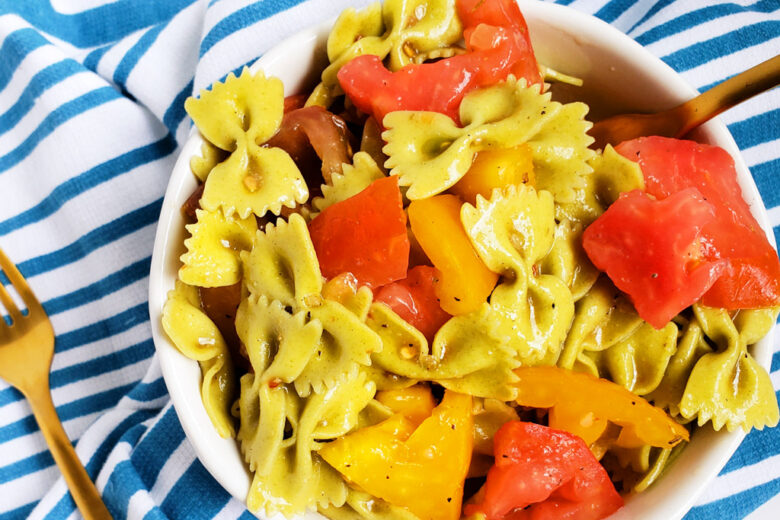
(78, 408)
(757, 446)
(96, 238)
(44, 459)
(768, 181)
(123, 483)
(708, 50)
(653, 10)
(60, 115)
(133, 56)
(775, 361)
(103, 329)
(95, 291)
(181, 502)
(39, 83)
(155, 449)
(99, 25)
(92, 59)
(26, 466)
(20, 513)
(242, 18)
(157, 514)
(91, 368)
(176, 113)
(699, 16)
(738, 505)
(15, 48)
(148, 391)
(132, 421)
(89, 179)
(65, 506)
(612, 10)
(753, 131)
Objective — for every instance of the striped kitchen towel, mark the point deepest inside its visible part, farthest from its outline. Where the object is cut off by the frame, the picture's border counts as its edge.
(91, 118)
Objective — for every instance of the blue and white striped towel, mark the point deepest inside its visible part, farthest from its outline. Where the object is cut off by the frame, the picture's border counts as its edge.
(91, 115)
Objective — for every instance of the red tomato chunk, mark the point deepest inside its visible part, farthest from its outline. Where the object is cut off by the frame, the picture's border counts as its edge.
(752, 276)
(543, 474)
(414, 299)
(651, 250)
(497, 44)
(364, 235)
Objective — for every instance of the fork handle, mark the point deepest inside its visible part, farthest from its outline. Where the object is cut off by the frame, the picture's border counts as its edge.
(81, 487)
(755, 80)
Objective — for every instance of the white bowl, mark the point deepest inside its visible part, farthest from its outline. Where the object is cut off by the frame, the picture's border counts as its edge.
(615, 68)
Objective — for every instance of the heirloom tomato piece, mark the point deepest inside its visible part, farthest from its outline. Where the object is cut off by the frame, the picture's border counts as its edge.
(503, 13)
(465, 281)
(541, 473)
(414, 299)
(497, 44)
(364, 235)
(421, 469)
(751, 278)
(652, 250)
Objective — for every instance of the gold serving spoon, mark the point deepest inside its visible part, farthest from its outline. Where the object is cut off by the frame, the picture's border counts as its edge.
(26, 351)
(678, 121)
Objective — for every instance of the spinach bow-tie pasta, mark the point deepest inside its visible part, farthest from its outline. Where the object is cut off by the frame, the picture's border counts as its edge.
(512, 232)
(404, 31)
(396, 308)
(430, 153)
(238, 116)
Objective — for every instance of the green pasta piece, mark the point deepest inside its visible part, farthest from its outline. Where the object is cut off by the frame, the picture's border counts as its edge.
(690, 348)
(430, 153)
(638, 468)
(639, 362)
(466, 356)
(279, 344)
(346, 343)
(603, 317)
(362, 506)
(568, 261)
(254, 180)
(201, 165)
(196, 336)
(212, 257)
(283, 265)
(511, 233)
(238, 116)
(728, 387)
(612, 175)
(288, 477)
(234, 109)
(593, 309)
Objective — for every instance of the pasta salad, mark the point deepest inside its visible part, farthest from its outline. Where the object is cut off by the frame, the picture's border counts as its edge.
(416, 292)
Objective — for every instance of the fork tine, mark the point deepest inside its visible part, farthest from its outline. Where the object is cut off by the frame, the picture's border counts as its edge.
(20, 284)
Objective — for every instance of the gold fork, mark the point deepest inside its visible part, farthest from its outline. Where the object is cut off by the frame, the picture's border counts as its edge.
(26, 350)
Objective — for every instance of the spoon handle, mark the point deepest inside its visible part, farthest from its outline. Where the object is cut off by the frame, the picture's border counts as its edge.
(723, 96)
